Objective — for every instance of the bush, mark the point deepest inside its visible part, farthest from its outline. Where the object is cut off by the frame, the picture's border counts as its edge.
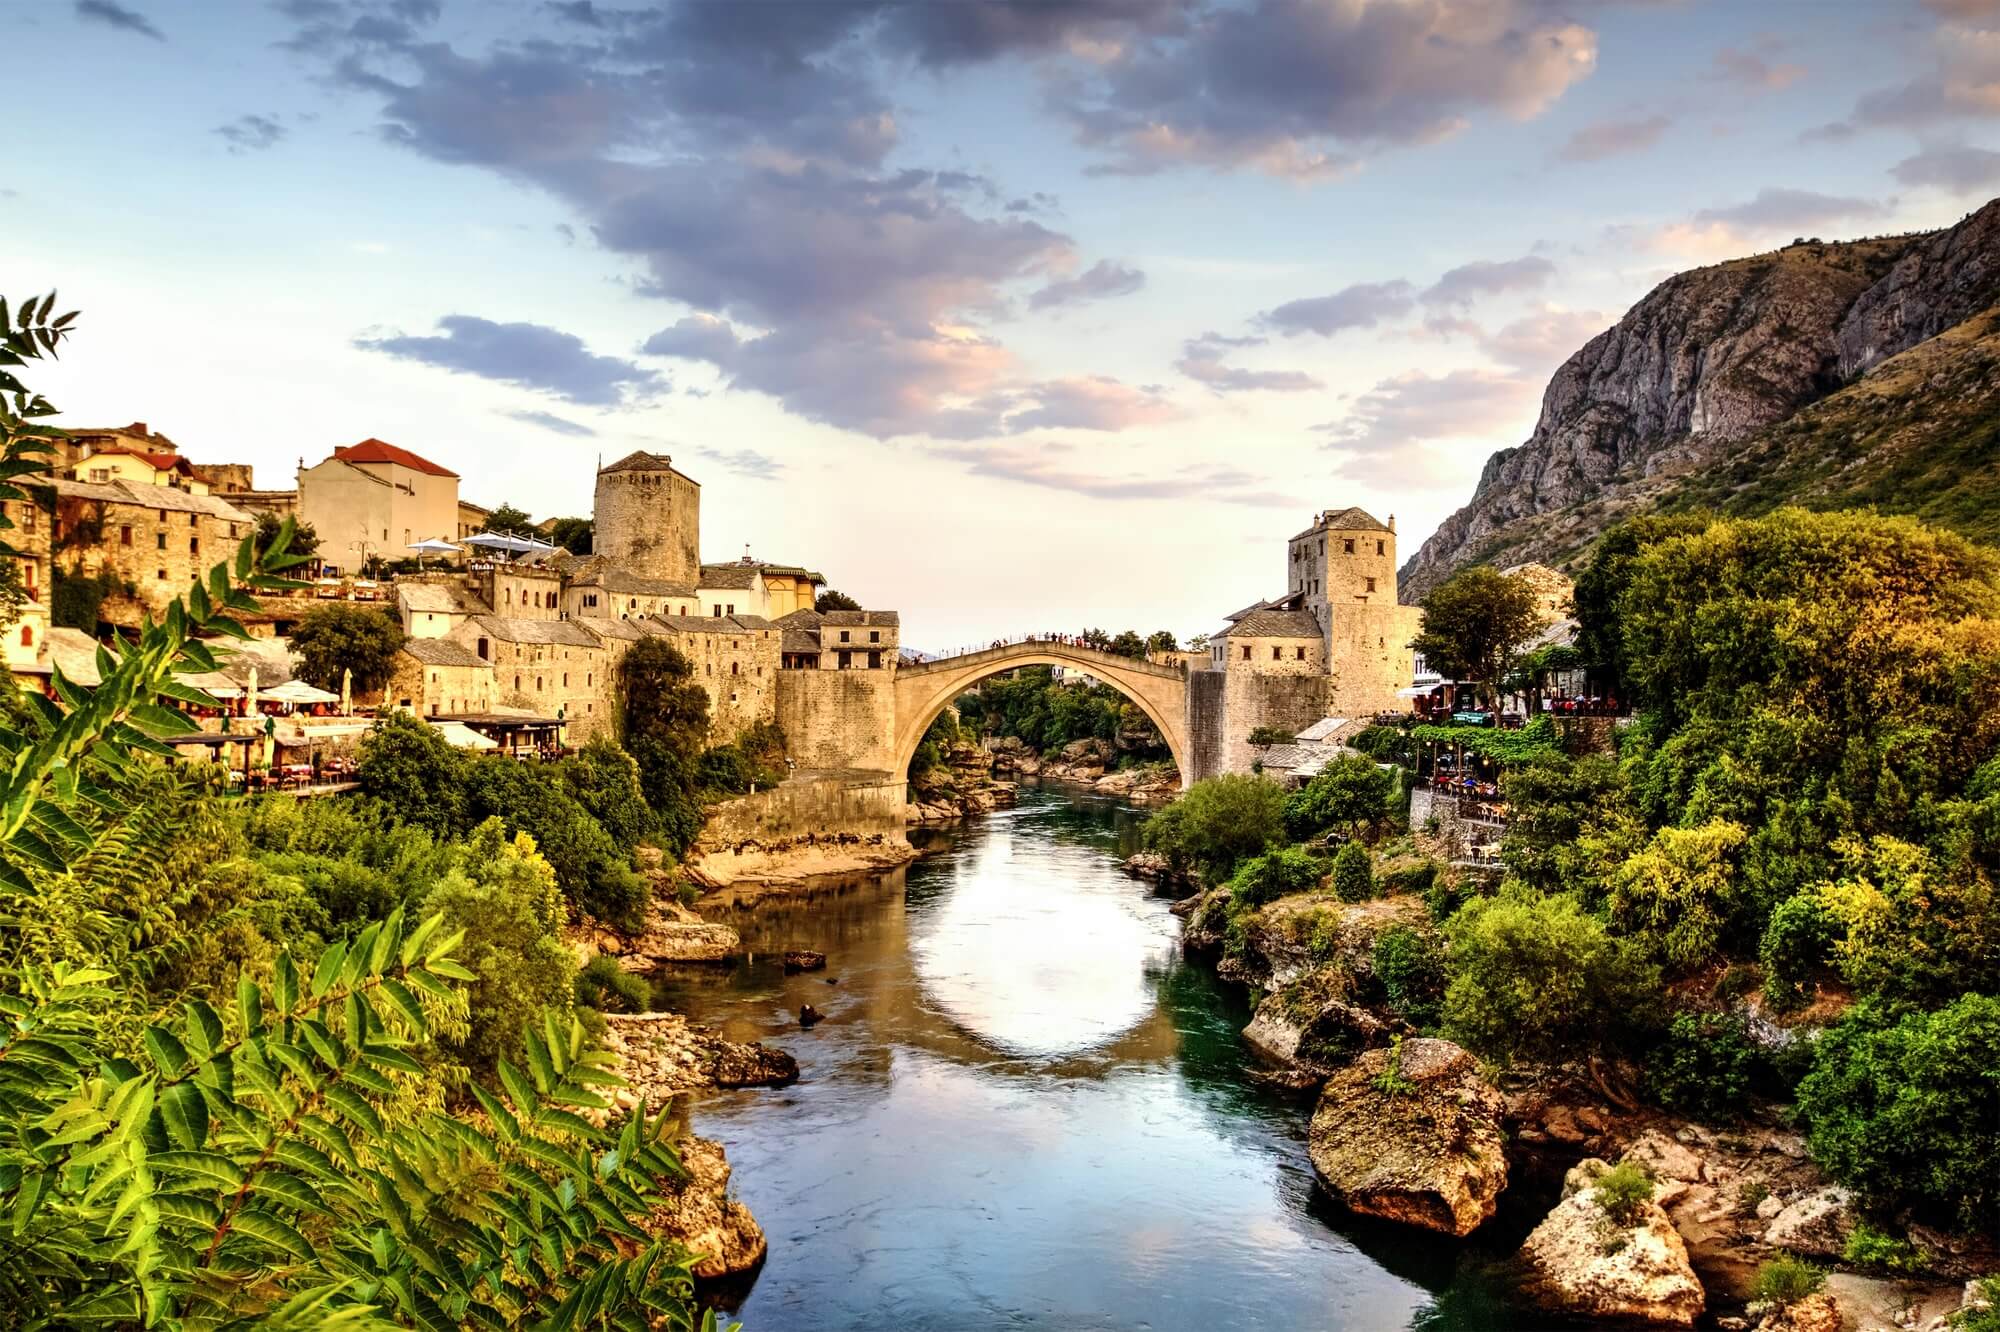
(1795, 945)
(1786, 1280)
(1984, 1314)
(1351, 793)
(1275, 874)
(1413, 880)
(1219, 823)
(1702, 1066)
(1902, 1110)
(1539, 978)
(1878, 1251)
(605, 781)
(1679, 893)
(609, 988)
(1271, 735)
(1353, 873)
(1411, 968)
(593, 870)
(415, 772)
(1623, 1191)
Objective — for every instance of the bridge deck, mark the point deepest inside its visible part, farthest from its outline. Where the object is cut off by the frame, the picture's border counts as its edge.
(1068, 652)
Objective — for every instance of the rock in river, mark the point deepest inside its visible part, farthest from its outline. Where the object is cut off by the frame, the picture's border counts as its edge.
(804, 959)
(1421, 1147)
(698, 1212)
(660, 1054)
(1580, 1262)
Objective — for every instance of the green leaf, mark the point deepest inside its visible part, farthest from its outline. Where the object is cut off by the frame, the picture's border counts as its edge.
(185, 1113)
(209, 1165)
(328, 970)
(274, 1231)
(166, 1050)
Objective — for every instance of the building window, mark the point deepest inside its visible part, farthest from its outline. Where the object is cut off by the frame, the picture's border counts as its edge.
(1301, 654)
(844, 660)
(161, 574)
(733, 668)
(1347, 546)
(586, 681)
(482, 649)
(194, 520)
(843, 635)
(732, 608)
(716, 610)
(1277, 654)
(194, 545)
(1379, 550)
(27, 635)
(1246, 652)
(517, 684)
(874, 635)
(565, 679)
(124, 536)
(1371, 585)
(159, 540)
(538, 684)
(100, 473)
(874, 661)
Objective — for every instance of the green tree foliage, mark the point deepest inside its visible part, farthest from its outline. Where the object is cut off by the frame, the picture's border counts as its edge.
(755, 759)
(830, 600)
(1353, 873)
(258, 1165)
(664, 725)
(1271, 735)
(1350, 793)
(510, 521)
(1797, 942)
(1162, 640)
(1218, 823)
(304, 543)
(1680, 892)
(1602, 583)
(1411, 967)
(77, 599)
(1902, 1110)
(500, 895)
(533, 798)
(1568, 819)
(1475, 622)
(1904, 926)
(1127, 643)
(1538, 978)
(574, 535)
(345, 636)
(605, 781)
(1032, 706)
(415, 772)
(1702, 1066)
(1275, 874)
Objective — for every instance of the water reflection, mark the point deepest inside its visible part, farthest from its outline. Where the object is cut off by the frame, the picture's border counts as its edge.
(1023, 1111)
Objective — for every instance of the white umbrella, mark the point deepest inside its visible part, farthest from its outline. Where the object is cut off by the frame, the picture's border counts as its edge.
(433, 546)
(298, 691)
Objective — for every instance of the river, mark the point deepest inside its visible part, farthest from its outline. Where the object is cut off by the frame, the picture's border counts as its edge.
(1024, 1110)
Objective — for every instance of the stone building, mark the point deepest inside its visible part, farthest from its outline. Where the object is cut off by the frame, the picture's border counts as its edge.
(835, 715)
(156, 538)
(374, 500)
(646, 518)
(431, 606)
(548, 667)
(26, 639)
(528, 591)
(596, 587)
(736, 659)
(471, 519)
(436, 677)
(757, 587)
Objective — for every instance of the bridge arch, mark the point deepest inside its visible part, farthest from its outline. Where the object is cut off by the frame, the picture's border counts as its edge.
(926, 689)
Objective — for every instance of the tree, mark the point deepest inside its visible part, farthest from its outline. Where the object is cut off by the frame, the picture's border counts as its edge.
(305, 541)
(1474, 624)
(605, 781)
(1128, 644)
(1219, 823)
(1538, 978)
(416, 773)
(510, 521)
(1600, 633)
(830, 600)
(1350, 792)
(1681, 892)
(593, 870)
(1353, 873)
(77, 600)
(342, 636)
(664, 724)
(1902, 1110)
(573, 534)
(1275, 874)
(1162, 640)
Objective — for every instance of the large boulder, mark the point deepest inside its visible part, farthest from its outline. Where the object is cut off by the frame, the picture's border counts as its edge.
(1818, 1223)
(1311, 1030)
(697, 1212)
(1412, 1135)
(660, 1054)
(1580, 1262)
(1815, 1313)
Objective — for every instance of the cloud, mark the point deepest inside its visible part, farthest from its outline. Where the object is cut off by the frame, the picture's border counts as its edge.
(1102, 280)
(532, 356)
(1415, 408)
(1963, 85)
(1299, 88)
(1202, 360)
(1957, 168)
(1056, 466)
(1751, 70)
(251, 133)
(1535, 344)
(744, 462)
(1093, 402)
(1613, 138)
(117, 16)
(1475, 281)
(697, 337)
(549, 421)
(1361, 305)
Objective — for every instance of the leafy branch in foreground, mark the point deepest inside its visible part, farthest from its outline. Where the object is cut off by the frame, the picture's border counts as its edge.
(251, 1167)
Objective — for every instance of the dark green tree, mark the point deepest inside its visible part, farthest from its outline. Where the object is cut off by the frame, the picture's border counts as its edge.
(573, 534)
(510, 521)
(1600, 633)
(305, 541)
(1353, 873)
(1128, 644)
(346, 636)
(830, 600)
(664, 723)
(1350, 793)
(1475, 622)
(1219, 823)
(416, 773)
(1162, 641)
(605, 781)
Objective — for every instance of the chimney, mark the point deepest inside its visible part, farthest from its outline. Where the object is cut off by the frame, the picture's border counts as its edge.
(1392, 522)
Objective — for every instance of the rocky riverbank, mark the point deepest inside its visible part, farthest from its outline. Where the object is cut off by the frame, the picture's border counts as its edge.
(1409, 1129)
(1093, 763)
(796, 859)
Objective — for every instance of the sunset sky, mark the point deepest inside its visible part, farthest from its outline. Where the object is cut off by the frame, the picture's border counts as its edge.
(1009, 317)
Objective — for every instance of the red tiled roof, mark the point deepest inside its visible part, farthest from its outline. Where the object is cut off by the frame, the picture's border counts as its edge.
(159, 462)
(377, 451)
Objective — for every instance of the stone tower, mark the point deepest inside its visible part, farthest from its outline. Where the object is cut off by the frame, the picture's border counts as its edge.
(647, 518)
(1343, 571)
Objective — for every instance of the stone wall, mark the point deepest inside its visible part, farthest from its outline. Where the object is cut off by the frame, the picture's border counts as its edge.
(520, 592)
(739, 669)
(1250, 700)
(838, 719)
(1371, 657)
(818, 805)
(1206, 716)
(158, 551)
(647, 521)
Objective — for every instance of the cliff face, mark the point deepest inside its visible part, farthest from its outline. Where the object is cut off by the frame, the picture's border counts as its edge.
(1707, 360)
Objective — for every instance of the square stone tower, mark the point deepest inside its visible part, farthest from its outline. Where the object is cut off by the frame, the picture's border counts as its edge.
(1342, 569)
(647, 518)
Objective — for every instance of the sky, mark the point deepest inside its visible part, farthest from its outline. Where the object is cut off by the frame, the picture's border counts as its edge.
(1011, 317)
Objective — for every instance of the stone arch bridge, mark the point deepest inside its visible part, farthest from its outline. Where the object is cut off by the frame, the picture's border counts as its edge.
(925, 689)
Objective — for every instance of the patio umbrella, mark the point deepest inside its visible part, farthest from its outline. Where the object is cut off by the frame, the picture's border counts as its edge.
(346, 691)
(298, 691)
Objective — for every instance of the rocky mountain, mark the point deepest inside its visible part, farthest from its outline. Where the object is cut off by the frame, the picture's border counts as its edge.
(1830, 374)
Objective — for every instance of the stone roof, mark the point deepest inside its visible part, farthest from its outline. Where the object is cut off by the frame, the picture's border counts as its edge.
(791, 571)
(509, 629)
(623, 580)
(864, 618)
(1283, 758)
(167, 498)
(800, 641)
(710, 624)
(1334, 728)
(1345, 520)
(729, 575)
(1273, 624)
(443, 652)
(372, 450)
(442, 598)
(805, 617)
(606, 627)
(641, 461)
